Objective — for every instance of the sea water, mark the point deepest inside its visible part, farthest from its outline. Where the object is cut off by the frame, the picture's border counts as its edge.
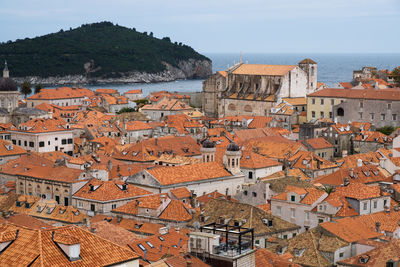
(331, 68)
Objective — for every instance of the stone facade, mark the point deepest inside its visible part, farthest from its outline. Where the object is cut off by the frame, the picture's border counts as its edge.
(212, 89)
(379, 113)
(250, 89)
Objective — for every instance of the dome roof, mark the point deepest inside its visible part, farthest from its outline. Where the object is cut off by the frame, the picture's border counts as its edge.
(208, 144)
(7, 84)
(233, 147)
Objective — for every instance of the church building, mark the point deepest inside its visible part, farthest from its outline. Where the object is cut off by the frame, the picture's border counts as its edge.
(9, 93)
(252, 89)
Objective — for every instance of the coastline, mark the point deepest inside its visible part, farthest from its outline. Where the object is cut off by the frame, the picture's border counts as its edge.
(190, 69)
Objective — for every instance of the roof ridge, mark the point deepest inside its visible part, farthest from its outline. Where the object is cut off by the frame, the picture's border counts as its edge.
(315, 247)
(40, 247)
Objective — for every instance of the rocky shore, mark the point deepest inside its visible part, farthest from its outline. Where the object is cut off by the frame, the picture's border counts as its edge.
(188, 69)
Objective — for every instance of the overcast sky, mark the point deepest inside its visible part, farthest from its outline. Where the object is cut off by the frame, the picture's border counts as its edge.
(250, 26)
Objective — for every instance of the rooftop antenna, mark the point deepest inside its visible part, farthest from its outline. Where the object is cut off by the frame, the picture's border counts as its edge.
(240, 60)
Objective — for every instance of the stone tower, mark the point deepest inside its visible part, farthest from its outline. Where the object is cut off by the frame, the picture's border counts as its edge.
(208, 151)
(6, 73)
(309, 66)
(232, 158)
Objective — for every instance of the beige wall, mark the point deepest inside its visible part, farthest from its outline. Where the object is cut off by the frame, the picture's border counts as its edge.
(317, 107)
(38, 187)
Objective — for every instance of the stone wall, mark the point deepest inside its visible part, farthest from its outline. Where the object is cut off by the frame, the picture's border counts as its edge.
(378, 112)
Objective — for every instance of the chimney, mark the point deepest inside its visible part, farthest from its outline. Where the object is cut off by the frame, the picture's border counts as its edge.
(351, 172)
(378, 227)
(381, 162)
(88, 224)
(359, 162)
(156, 140)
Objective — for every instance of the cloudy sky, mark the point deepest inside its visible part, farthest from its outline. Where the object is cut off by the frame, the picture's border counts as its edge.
(251, 26)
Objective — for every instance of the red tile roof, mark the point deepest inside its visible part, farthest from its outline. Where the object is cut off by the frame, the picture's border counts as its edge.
(318, 143)
(383, 94)
(109, 190)
(61, 93)
(189, 173)
(39, 247)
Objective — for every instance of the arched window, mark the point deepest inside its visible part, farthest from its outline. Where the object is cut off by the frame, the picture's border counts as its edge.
(248, 108)
(340, 112)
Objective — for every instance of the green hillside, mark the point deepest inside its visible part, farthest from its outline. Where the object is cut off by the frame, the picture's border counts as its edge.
(113, 49)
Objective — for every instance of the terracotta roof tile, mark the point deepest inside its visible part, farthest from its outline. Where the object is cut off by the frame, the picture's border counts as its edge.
(383, 94)
(318, 143)
(61, 93)
(8, 149)
(168, 104)
(187, 173)
(109, 190)
(134, 91)
(181, 192)
(260, 69)
(37, 248)
(348, 231)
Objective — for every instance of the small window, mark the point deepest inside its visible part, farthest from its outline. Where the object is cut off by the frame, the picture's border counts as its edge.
(383, 117)
(394, 117)
(292, 213)
(254, 194)
(70, 140)
(292, 198)
(250, 175)
(361, 115)
(25, 143)
(31, 144)
(63, 141)
(322, 101)
(365, 206)
(142, 247)
(389, 105)
(322, 114)
(41, 144)
(372, 115)
(341, 255)
(150, 244)
(332, 102)
(245, 192)
(279, 209)
(113, 206)
(313, 114)
(313, 101)
(361, 104)
(375, 204)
